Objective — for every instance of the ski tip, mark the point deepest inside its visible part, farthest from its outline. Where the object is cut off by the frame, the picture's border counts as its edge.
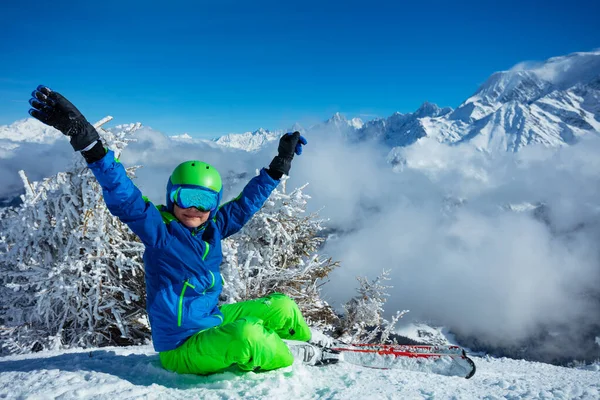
(473, 368)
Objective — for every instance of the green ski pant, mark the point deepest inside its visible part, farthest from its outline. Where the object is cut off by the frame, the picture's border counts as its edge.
(250, 336)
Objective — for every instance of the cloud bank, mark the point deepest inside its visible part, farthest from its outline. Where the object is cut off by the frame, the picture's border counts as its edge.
(496, 246)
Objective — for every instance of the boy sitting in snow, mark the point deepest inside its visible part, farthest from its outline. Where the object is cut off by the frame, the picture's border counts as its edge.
(183, 254)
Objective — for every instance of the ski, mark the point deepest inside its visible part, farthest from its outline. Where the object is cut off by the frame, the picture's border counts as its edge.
(443, 360)
(425, 349)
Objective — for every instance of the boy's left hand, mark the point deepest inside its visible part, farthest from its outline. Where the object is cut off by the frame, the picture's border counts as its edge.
(289, 144)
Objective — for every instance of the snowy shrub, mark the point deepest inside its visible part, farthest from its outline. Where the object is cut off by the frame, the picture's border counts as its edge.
(363, 320)
(276, 251)
(71, 273)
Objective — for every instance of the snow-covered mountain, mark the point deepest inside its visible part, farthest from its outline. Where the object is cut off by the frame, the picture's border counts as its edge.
(339, 121)
(253, 141)
(249, 141)
(401, 129)
(337, 124)
(27, 130)
(502, 87)
(551, 103)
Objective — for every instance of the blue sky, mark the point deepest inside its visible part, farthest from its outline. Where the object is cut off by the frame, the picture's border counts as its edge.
(209, 69)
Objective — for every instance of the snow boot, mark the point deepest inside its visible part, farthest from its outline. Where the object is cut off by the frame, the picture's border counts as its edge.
(313, 355)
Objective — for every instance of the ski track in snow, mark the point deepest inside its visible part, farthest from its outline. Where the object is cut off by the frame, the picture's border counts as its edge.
(135, 372)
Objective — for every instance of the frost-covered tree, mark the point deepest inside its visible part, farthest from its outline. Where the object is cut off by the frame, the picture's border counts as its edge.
(277, 251)
(363, 318)
(71, 273)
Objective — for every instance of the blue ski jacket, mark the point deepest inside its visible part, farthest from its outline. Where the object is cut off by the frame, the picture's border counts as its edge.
(182, 265)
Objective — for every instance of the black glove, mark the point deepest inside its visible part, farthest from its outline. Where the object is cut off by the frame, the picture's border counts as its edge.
(289, 144)
(53, 109)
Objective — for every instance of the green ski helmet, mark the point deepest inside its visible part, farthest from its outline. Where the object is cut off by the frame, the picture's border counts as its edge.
(194, 174)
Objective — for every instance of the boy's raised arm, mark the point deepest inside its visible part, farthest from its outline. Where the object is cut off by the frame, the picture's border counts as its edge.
(122, 197)
(233, 215)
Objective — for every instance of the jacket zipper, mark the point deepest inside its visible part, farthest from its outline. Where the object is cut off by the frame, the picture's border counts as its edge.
(180, 311)
(212, 283)
(186, 283)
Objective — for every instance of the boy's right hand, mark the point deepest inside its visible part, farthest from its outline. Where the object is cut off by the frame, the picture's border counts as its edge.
(55, 110)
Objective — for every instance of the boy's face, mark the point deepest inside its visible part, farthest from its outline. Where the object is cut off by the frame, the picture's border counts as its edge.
(190, 217)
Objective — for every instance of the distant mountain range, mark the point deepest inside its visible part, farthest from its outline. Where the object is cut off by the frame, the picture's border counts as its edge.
(25, 131)
(551, 103)
(249, 141)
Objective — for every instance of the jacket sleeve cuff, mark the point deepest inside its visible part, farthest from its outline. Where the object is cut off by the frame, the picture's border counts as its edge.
(274, 174)
(97, 152)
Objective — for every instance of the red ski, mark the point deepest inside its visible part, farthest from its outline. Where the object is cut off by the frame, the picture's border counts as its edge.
(444, 360)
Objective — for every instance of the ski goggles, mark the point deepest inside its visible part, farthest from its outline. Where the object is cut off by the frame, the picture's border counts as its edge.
(201, 198)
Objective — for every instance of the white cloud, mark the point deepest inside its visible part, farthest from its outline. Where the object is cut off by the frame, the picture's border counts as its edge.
(38, 160)
(566, 70)
(457, 254)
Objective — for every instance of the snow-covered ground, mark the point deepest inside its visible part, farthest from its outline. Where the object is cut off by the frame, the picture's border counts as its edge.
(135, 372)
